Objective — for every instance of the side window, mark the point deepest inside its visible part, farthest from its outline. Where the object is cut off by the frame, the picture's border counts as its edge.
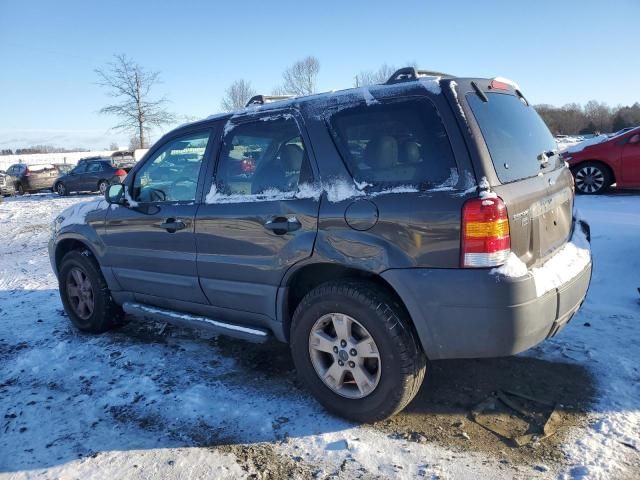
(80, 168)
(266, 156)
(400, 142)
(94, 167)
(172, 173)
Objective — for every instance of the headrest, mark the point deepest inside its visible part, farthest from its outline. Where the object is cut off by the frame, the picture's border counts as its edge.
(382, 152)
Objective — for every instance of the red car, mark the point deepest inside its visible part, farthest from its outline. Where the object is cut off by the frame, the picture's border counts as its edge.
(597, 166)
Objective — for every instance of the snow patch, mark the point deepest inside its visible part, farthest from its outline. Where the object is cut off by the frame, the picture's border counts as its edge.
(448, 184)
(432, 84)
(453, 86)
(561, 268)
(368, 98)
(305, 190)
(578, 147)
(127, 197)
(513, 267)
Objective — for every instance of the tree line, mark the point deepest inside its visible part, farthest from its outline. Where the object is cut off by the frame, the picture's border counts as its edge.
(594, 117)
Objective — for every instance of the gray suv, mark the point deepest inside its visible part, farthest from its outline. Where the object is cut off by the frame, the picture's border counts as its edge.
(372, 229)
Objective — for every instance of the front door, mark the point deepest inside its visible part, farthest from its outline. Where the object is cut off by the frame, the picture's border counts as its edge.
(630, 161)
(73, 181)
(259, 217)
(150, 245)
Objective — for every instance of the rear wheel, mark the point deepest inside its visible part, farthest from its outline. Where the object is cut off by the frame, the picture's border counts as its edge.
(592, 178)
(102, 186)
(85, 294)
(354, 349)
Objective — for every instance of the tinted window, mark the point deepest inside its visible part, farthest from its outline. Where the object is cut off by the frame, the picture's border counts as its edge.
(95, 167)
(514, 133)
(396, 143)
(81, 168)
(266, 155)
(171, 174)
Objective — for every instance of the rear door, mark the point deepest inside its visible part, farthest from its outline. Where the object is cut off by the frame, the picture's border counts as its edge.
(630, 161)
(520, 161)
(256, 222)
(151, 244)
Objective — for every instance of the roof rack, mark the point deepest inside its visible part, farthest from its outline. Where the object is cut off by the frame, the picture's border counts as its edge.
(408, 74)
(264, 99)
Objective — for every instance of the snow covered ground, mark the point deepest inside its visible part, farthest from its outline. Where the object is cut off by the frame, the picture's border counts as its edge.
(144, 403)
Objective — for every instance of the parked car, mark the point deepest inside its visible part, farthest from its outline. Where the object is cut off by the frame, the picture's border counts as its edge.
(6, 185)
(32, 178)
(90, 175)
(426, 218)
(597, 166)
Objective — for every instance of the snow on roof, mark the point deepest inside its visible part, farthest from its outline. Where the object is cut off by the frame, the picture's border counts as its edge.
(507, 81)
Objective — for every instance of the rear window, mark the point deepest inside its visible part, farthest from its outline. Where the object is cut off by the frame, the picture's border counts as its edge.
(402, 142)
(514, 133)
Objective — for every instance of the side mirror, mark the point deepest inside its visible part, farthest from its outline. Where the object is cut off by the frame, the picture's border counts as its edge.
(115, 194)
(634, 139)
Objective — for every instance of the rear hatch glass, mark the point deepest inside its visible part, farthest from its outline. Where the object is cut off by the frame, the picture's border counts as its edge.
(515, 135)
(536, 188)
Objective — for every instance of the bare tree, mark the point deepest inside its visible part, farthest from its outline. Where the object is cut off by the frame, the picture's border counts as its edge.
(237, 95)
(372, 77)
(599, 114)
(131, 85)
(300, 78)
(113, 146)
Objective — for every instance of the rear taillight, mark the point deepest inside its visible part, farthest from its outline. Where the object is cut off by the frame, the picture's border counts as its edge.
(485, 233)
(120, 173)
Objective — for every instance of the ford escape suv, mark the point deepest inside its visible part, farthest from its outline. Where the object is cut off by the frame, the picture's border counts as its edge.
(426, 218)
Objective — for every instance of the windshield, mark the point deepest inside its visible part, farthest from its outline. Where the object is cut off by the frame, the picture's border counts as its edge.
(514, 133)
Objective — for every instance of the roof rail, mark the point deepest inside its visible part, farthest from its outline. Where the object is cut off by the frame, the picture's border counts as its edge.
(408, 74)
(264, 99)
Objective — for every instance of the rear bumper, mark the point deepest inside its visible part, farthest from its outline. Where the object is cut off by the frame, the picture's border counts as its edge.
(467, 313)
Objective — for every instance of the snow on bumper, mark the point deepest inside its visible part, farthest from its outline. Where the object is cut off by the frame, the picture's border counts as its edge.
(562, 267)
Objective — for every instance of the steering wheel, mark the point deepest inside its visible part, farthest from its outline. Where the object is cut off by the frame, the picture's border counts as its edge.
(156, 195)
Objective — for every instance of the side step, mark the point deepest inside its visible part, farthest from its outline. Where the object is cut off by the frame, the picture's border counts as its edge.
(250, 334)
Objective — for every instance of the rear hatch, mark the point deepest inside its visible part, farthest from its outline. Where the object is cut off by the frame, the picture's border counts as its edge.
(520, 161)
(41, 175)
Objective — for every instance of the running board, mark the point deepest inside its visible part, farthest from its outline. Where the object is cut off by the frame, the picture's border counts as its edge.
(250, 334)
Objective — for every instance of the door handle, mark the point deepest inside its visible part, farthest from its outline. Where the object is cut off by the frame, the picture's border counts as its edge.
(283, 225)
(172, 225)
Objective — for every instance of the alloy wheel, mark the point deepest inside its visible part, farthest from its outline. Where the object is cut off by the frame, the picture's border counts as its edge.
(589, 179)
(344, 355)
(80, 293)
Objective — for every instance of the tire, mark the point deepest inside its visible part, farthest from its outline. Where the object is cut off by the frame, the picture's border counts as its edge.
(102, 186)
(401, 363)
(19, 189)
(105, 314)
(592, 178)
(61, 189)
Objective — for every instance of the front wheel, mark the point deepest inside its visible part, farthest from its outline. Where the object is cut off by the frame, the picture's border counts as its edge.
(102, 186)
(591, 178)
(85, 294)
(61, 189)
(19, 189)
(354, 348)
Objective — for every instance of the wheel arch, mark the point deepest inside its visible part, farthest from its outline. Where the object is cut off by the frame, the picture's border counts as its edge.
(309, 276)
(604, 164)
(67, 245)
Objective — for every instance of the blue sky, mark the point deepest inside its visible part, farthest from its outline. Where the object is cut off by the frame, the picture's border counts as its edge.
(558, 51)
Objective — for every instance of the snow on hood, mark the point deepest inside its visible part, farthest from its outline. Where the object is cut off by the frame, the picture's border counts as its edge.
(578, 147)
(77, 214)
